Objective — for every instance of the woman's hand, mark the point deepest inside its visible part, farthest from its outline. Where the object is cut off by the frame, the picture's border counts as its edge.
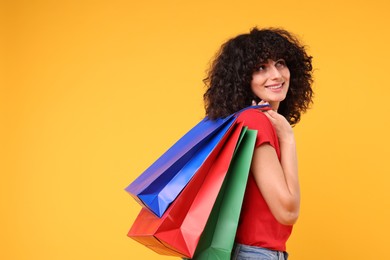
(282, 127)
(262, 102)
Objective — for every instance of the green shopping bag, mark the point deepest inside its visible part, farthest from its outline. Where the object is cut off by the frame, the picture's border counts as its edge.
(218, 237)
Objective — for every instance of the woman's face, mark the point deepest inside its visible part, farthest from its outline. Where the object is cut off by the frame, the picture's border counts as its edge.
(271, 81)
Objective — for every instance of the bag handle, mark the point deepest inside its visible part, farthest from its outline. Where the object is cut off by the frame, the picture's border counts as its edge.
(263, 107)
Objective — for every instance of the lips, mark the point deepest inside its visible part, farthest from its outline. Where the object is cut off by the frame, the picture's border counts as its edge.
(275, 86)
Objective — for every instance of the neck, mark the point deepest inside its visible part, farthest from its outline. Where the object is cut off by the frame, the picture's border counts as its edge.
(274, 105)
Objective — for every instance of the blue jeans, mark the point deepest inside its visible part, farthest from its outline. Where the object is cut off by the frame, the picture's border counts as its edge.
(244, 252)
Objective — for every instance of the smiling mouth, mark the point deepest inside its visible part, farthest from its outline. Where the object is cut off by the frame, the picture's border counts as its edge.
(275, 86)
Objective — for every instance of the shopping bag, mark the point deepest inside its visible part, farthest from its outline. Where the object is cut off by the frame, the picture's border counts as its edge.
(178, 231)
(160, 184)
(218, 237)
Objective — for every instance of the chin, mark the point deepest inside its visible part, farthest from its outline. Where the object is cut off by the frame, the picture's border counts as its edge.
(277, 99)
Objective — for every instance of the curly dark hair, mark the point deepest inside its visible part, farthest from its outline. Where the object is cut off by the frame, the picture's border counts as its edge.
(229, 77)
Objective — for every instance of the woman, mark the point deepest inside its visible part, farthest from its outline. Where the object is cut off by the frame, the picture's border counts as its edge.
(267, 66)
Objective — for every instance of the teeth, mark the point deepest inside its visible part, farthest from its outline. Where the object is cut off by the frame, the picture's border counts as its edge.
(275, 87)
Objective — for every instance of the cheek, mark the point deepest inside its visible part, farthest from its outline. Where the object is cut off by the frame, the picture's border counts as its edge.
(258, 81)
(258, 89)
(287, 74)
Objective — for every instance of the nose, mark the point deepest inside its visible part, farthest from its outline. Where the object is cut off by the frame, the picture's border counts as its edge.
(274, 72)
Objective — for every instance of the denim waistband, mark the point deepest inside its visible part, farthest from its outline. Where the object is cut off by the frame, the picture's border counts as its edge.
(241, 252)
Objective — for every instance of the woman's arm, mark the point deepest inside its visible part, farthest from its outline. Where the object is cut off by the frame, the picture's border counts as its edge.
(278, 181)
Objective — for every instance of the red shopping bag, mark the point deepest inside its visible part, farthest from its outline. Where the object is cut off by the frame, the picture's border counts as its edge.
(178, 231)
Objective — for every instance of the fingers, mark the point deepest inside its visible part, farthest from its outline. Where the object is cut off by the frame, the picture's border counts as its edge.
(271, 114)
(262, 102)
(268, 115)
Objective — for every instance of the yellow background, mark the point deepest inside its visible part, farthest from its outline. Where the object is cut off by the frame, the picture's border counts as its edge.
(92, 92)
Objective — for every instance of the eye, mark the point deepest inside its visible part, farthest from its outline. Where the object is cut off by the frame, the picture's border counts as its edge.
(261, 68)
(280, 63)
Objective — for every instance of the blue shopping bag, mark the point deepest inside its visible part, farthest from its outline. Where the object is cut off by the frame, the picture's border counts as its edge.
(159, 185)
